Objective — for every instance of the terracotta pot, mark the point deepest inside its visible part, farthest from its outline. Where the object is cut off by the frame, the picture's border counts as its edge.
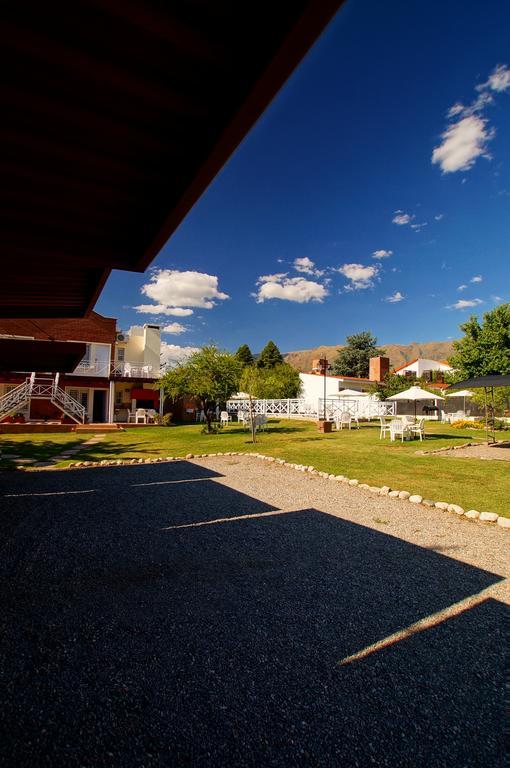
(324, 426)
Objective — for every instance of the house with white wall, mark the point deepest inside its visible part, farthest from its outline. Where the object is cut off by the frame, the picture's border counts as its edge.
(424, 368)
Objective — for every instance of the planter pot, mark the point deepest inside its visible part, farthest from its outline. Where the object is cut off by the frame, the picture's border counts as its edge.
(324, 426)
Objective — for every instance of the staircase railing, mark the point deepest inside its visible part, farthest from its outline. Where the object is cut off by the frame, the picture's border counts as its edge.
(15, 399)
(67, 404)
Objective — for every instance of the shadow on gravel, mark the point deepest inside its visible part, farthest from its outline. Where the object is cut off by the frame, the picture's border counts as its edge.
(130, 641)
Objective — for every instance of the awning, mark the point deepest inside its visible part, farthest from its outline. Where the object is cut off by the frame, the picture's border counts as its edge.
(478, 382)
(116, 116)
(145, 394)
(40, 355)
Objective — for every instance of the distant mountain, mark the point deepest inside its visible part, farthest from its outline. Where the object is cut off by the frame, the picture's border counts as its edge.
(398, 353)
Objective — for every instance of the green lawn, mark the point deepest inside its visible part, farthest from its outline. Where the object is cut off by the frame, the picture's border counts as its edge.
(482, 485)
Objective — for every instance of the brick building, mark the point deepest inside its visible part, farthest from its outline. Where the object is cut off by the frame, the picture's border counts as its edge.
(117, 374)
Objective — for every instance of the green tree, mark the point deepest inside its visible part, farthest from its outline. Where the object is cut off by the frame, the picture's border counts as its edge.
(244, 355)
(270, 356)
(279, 382)
(485, 347)
(353, 360)
(210, 375)
(393, 384)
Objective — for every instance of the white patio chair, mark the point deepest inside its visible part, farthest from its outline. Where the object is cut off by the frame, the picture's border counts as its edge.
(344, 419)
(224, 418)
(418, 428)
(151, 415)
(399, 428)
(385, 427)
(260, 422)
(141, 415)
(132, 417)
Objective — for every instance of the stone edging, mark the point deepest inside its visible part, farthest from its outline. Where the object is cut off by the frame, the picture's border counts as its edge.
(385, 490)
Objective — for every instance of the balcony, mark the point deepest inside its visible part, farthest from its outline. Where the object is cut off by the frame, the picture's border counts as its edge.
(116, 370)
(134, 370)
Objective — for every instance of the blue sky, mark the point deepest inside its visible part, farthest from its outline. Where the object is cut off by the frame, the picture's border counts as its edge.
(374, 193)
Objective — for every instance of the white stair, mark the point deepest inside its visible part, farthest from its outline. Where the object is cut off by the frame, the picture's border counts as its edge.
(15, 400)
(41, 388)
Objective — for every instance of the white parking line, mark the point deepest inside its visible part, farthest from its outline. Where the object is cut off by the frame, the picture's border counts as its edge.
(49, 493)
(173, 482)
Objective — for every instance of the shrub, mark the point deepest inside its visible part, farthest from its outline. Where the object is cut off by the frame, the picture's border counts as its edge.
(166, 419)
(466, 424)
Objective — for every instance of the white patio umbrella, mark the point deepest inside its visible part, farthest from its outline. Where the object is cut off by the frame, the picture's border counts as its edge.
(463, 393)
(351, 393)
(415, 394)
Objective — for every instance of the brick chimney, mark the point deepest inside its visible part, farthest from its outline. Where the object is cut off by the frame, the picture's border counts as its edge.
(379, 368)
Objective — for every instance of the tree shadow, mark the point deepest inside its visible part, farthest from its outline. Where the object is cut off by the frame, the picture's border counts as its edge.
(156, 615)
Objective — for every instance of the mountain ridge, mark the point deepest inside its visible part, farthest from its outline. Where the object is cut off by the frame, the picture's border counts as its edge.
(398, 353)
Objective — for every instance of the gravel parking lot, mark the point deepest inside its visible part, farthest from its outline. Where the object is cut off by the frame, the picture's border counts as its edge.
(230, 612)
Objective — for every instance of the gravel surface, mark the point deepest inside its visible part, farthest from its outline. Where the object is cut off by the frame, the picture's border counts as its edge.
(499, 451)
(196, 613)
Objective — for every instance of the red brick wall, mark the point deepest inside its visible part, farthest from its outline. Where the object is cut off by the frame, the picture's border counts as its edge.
(92, 328)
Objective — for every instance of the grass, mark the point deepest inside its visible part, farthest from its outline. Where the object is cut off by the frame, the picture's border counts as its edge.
(472, 483)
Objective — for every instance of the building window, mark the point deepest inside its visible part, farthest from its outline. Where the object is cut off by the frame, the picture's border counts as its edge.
(118, 398)
(121, 352)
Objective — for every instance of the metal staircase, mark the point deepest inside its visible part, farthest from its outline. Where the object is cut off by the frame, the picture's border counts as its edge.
(41, 388)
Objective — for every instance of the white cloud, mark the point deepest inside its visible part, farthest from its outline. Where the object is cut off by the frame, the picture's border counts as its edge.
(402, 218)
(395, 297)
(419, 227)
(465, 304)
(296, 289)
(476, 279)
(499, 80)
(307, 266)
(160, 309)
(439, 216)
(462, 287)
(171, 288)
(360, 277)
(463, 142)
(174, 328)
(497, 298)
(276, 278)
(171, 354)
(382, 254)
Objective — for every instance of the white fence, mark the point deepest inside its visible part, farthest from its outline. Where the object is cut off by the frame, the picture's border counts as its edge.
(365, 408)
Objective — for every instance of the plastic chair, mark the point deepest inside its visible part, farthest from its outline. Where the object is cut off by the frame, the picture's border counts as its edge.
(418, 428)
(385, 427)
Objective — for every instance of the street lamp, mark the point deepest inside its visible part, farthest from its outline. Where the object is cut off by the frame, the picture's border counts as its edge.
(324, 366)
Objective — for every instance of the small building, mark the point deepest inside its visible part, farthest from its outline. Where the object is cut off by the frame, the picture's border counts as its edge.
(423, 368)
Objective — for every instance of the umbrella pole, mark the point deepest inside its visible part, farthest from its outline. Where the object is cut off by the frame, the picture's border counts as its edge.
(486, 415)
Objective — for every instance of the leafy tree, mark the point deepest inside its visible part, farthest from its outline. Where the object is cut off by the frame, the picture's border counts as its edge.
(279, 382)
(485, 347)
(210, 375)
(353, 360)
(244, 355)
(393, 384)
(270, 356)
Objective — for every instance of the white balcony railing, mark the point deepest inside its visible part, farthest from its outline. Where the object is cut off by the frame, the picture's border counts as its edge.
(134, 370)
(125, 369)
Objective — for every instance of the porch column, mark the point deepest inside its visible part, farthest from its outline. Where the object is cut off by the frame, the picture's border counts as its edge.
(111, 402)
(161, 400)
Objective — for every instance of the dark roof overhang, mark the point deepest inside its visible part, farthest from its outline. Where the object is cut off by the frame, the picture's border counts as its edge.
(116, 115)
(38, 355)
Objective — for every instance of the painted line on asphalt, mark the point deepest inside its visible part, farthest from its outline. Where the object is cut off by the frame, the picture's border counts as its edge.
(173, 482)
(423, 624)
(49, 493)
(229, 519)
